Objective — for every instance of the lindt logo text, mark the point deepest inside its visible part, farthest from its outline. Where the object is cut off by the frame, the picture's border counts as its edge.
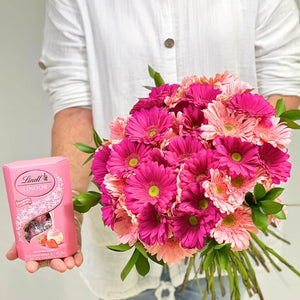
(35, 183)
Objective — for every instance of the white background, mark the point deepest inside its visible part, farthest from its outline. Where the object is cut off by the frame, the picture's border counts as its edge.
(25, 128)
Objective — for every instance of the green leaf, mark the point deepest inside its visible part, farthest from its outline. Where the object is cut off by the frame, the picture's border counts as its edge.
(89, 198)
(280, 107)
(78, 206)
(208, 260)
(142, 265)
(280, 215)
(97, 139)
(85, 148)
(138, 245)
(249, 198)
(133, 259)
(88, 159)
(290, 123)
(223, 258)
(158, 80)
(273, 193)
(270, 207)
(119, 248)
(293, 114)
(259, 191)
(151, 72)
(220, 246)
(148, 87)
(260, 220)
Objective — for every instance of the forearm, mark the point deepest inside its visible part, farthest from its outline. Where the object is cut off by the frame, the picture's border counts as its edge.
(71, 126)
(291, 102)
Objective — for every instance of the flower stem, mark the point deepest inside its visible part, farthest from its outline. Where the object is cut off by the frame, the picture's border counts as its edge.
(278, 237)
(187, 274)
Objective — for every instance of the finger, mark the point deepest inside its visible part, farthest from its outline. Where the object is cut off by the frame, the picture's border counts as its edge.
(12, 252)
(32, 266)
(69, 262)
(58, 265)
(78, 258)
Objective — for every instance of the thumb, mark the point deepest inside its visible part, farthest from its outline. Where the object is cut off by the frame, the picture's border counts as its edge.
(12, 252)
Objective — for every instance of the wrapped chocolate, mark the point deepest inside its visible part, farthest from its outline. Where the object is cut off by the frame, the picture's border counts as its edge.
(39, 194)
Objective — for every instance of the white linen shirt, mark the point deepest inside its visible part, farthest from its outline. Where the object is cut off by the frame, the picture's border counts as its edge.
(96, 54)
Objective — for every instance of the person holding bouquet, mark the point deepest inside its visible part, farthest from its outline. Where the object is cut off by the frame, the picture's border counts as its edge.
(94, 60)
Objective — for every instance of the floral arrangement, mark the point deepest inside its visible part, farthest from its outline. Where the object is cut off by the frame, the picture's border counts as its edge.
(193, 173)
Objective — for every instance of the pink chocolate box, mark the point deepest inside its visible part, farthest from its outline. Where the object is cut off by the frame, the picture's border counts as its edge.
(39, 194)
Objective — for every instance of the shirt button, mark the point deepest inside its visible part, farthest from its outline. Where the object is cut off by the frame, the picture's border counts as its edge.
(169, 43)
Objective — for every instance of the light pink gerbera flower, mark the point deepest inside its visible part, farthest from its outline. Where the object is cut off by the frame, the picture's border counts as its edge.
(234, 229)
(154, 227)
(239, 158)
(171, 252)
(113, 185)
(98, 168)
(181, 148)
(200, 95)
(223, 122)
(126, 157)
(125, 227)
(148, 126)
(275, 162)
(217, 190)
(196, 168)
(151, 183)
(278, 134)
(193, 118)
(117, 128)
(156, 97)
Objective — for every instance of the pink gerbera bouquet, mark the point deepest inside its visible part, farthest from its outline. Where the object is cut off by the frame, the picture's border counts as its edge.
(192, 172)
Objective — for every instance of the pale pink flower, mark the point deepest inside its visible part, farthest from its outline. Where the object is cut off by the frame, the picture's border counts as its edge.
(234, 229)
(223, 122)
(125, 227)
(219, 79)
(278, 134)
(114, 185)
(170, 252)
(117, 128)
(217, 190)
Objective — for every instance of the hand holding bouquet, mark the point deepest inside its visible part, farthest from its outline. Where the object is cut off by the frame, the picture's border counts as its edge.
(193, 173)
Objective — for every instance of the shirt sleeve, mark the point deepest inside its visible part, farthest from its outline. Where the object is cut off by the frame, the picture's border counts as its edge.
(64, 59)
(277, 48)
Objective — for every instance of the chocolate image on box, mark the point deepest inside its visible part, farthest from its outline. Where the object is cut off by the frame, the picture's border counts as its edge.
(37, 226)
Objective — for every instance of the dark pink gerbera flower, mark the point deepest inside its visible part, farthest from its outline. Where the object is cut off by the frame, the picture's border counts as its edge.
(196, 168)
(99, 168)
(126, 156)
(157, 155)
(194, 218)
(148, 126)
(108, 209)
(200, 94)
(153, 226)
(193, 118)
(252, 104)
(181, 148)
(275, 162)
(156, 97)
(151, 183)
(239, 158)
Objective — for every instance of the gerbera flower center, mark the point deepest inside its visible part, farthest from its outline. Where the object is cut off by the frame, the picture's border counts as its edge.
(193, 220)
(153, 191)
(229, 220)
(203, 204)
(230, 128)
(236, 156)
(237, 181)
(133, 162)
(200, 175)
(152, 131)
(218, 189)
